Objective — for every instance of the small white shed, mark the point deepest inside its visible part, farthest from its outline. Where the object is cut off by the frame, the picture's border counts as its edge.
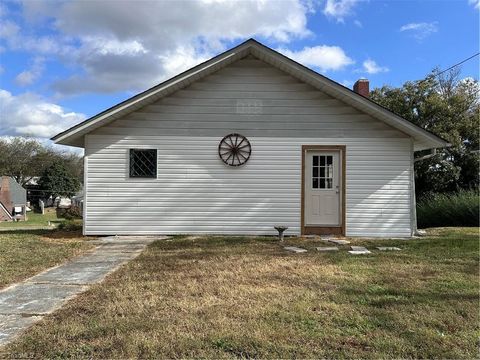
(245, 141)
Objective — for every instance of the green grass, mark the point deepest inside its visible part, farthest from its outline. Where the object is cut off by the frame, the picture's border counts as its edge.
(454, 209)
(226, 297)
(24, 253)
(34, 221)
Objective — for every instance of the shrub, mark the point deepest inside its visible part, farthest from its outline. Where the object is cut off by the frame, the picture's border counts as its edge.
(72, 212)
(454, 209)
(70, 225)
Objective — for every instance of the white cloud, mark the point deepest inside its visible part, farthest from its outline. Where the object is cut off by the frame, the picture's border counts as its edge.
(8, 29)
(184, 57)
(475, 3)
(422, 30)
(131, 45)
(28, 77)
(371, 67)
(324, 57)
(358, 23)
(339, 9)
(30, 115)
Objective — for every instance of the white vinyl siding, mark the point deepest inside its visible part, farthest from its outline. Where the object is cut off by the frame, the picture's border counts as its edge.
(195, 192)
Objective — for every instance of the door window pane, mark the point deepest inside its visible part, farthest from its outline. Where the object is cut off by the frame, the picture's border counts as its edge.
(329, 171)
(322, 172)
(329, 183)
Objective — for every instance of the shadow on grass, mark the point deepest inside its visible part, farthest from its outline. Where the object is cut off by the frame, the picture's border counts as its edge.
(385, 297)
(185, 242)
(47, 233)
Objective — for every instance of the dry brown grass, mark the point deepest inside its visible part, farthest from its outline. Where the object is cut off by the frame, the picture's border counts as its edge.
(242, 297)
(24, 253)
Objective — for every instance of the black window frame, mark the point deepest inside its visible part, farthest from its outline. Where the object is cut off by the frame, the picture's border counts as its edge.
(132, 174)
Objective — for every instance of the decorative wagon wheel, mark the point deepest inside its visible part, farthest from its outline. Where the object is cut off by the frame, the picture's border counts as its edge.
(234, 150)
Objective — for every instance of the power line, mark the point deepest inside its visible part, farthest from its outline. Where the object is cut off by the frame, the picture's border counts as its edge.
(460, 63)
(453, 66)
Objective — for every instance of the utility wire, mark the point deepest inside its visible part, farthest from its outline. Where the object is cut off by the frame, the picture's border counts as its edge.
(453, 66)
(460, 63)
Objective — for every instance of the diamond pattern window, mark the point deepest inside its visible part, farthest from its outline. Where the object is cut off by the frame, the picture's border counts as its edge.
(143, 163)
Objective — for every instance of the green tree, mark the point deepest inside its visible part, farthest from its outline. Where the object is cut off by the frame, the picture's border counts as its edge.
(450, 108)
(19, 158)
(26, 158)
(56, 180)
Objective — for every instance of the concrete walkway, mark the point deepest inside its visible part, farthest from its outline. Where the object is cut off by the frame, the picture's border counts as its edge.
(27, 302)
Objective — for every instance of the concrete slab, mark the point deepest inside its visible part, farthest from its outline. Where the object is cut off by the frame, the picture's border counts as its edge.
(143, 240)
(388, 248)
(359, 252)
(35, 299)
(79, 273)
(105, 256)
(328, 237)
(358, 248)
(122, 247)
(295, 249)
(339, 242)
(25, 303)
(327, 248)
(12, 325)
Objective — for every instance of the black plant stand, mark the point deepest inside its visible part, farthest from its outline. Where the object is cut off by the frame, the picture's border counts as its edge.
(280, 229)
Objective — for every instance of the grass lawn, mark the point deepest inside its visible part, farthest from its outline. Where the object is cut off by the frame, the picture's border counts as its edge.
(224, 297)
(24, 253)
(34, 220)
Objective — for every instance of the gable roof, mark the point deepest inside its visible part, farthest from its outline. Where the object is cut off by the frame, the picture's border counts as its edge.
(422, 138)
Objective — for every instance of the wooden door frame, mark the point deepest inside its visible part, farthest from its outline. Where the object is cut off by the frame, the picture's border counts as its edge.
(324, 230)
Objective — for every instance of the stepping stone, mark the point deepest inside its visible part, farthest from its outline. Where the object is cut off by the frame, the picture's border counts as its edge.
(327, 248)
(295, 249)
(388, 248)
(339, 242)
(358, 250)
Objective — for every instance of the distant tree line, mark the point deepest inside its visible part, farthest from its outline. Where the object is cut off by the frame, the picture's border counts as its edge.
(58, 173)
(449, 107)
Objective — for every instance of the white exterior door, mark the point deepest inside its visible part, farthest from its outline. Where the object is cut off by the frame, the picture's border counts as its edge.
(322, 188)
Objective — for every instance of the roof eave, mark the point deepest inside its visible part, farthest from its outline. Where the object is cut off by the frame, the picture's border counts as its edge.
(422, 138)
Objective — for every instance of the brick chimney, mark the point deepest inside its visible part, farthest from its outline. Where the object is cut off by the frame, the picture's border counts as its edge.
(362, 87)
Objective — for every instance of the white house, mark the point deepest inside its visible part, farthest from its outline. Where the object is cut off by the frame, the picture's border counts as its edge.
(242, 142)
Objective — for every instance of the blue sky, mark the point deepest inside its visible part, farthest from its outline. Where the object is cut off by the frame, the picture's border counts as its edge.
(61, 61)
